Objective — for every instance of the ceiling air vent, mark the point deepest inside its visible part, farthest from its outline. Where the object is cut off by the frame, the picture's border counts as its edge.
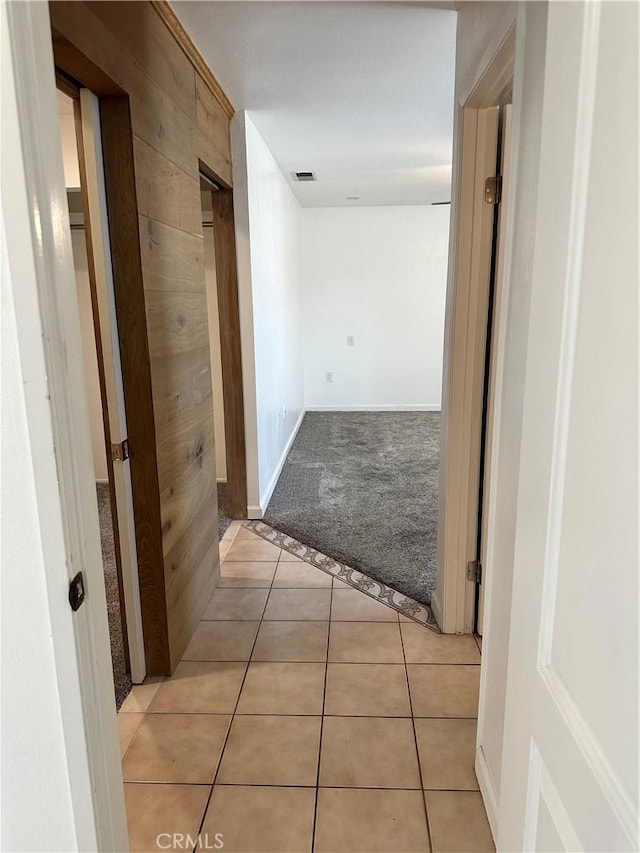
(305, 176)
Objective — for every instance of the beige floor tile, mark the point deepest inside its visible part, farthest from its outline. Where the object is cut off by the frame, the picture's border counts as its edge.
(300, 575)
(155, 809)
(176, 748)
(444, 691)
(283, 688)
(298, 604)
(351, 605)
(367, 690)
(458, 822)
(368, 752)
(365, 642)
(338, 584)
(246, 534)
(370, 821)
(273, 750)
(236, 604)
(447, 751)
(223, 548)
(140, 696)
(422, 645)
(222, 641)
(288, 557)
(198, 687)
(250, 550)
(127, 727)
(232, 530)
(292, 641)
(246, 575)
(265, 819)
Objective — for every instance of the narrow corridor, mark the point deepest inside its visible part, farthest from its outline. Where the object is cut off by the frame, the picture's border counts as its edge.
(305, 715)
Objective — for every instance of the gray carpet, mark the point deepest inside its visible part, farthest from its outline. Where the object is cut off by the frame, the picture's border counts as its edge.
(224, 519)
(121, 678)
(362, 487)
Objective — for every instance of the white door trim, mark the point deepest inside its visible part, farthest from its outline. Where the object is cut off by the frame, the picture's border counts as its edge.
(453, 602)
(43, 284)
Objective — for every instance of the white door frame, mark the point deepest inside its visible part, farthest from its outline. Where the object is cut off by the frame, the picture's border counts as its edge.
(99, 257)
(453, 601)
(42, 277)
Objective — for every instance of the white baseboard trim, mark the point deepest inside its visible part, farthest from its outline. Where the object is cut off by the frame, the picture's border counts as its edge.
(379, 407)
(221, 480)
(265, 497)
(101, 481)
(436, 608)
(254, 513)
(488, 792)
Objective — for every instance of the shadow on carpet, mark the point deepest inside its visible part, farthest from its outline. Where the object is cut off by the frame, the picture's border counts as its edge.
(121, 678)
(362, 487)
(224, 513)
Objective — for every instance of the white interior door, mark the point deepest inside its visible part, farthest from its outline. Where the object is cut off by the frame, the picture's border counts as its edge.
(498, 318)
(570, 758)
(98, 234)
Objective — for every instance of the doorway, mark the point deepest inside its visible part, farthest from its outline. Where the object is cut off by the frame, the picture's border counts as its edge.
(219, 254)
(79, 126)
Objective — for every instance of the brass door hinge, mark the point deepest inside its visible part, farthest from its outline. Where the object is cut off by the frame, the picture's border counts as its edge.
(120, 452)
(474, 571)
(493, 190)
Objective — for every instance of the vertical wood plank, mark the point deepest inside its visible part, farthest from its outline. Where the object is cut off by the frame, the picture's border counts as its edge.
(224, 237)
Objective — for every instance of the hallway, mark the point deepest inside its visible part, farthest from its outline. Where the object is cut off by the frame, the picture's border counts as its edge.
(305, 715)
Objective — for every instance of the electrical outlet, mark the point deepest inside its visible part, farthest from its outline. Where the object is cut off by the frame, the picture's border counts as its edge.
(328, 377)
(351, 341)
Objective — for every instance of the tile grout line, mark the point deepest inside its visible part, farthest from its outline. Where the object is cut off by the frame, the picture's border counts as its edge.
(233, 716)
(415, 739)
(324, 702)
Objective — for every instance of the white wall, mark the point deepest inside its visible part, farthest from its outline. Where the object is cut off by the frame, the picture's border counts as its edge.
(89, 355)
(267, 215)
(378, 274)
(214, 344)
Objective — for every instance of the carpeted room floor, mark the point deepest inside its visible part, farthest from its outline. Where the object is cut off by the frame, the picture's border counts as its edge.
(121, 678)
(362, 487)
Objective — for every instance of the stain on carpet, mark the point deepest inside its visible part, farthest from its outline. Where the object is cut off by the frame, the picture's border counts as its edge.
(362, 487)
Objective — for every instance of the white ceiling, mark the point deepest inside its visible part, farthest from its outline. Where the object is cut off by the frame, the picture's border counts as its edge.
(359, 93)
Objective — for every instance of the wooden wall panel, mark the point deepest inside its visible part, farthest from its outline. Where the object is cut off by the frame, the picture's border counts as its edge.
(157, 178)
(171, 259)
(176, 123)
(213, 125)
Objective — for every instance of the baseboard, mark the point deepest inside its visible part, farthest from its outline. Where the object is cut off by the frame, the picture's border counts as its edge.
(488, 792)
(265, 497)
(379, 407)
(221, 480)
(102, 482)
(436, 607)
(254, 513)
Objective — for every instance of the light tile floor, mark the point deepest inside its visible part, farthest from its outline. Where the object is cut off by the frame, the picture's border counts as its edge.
(305, 716)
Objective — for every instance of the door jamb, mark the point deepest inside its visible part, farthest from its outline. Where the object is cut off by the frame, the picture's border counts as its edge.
(136, 369)
(453, 601)
(224, 237)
